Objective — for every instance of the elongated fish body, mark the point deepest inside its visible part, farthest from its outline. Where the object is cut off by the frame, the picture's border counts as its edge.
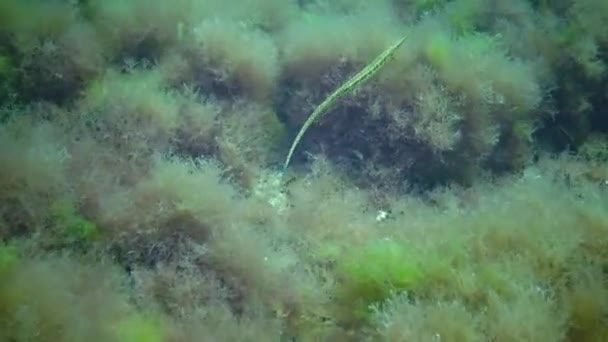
(344, 89)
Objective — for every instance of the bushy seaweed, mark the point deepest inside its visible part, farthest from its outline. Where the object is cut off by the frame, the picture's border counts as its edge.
(460, 194)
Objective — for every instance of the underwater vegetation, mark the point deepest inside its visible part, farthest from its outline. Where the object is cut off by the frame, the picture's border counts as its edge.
(459, 194)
